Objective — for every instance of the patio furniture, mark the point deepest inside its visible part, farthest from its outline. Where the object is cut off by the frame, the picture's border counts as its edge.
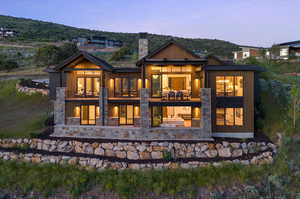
(171, 95)
(179, 95)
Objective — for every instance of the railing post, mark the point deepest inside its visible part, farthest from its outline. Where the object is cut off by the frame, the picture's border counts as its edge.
(206, 111)
(59, 106)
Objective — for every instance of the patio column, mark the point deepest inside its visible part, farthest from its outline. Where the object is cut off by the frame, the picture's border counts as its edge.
(103, 106)
(59, 106)
(206, 111)
(144, 108)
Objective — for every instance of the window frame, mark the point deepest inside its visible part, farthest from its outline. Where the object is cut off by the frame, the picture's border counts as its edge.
(234, 117)
(224, 93)
(93, 86)
(130, 93)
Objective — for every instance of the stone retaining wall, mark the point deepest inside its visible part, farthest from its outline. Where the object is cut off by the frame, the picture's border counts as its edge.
(31, 91)
(121, 155)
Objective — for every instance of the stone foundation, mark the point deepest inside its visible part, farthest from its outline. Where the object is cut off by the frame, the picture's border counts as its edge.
(132, 133)
(137, 155)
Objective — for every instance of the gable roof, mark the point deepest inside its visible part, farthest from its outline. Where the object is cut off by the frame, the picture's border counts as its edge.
(164, 46)
(95, 60)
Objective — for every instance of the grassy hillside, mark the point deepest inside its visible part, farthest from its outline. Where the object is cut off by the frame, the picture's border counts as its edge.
(21, 115)
(38, 31)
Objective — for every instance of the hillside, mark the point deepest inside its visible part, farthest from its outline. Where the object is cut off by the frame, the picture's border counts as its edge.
(39, 31)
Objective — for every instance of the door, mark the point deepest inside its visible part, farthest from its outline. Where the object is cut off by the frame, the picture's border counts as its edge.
(156, 87)
(126, 115)
(88, 115)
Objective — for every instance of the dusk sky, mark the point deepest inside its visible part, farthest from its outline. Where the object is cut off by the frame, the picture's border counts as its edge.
(247, 22)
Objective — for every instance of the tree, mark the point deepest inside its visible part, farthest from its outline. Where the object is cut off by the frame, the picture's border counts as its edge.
(295, 103)
(118, 55)
(52, 55)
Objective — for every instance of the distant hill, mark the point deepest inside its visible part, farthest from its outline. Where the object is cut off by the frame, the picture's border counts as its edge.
(35, 30)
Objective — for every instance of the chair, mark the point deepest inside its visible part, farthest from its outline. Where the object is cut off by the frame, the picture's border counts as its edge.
(179, 95)
(171, 94)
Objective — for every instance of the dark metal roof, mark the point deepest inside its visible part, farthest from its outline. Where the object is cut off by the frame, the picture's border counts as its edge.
(289, 43)
(175, 61)
(165, 45)
(97, 61)
(234, 68)
(127, 70)
(251, 47)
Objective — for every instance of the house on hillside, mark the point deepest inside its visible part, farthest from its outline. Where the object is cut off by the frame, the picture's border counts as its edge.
(98, 42)
(288, 49)
(170, 94)
(6, 33)
(249, 51)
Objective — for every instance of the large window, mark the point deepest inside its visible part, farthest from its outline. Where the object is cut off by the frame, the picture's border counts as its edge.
(229, 85)
(229, 117)
(126, 87)
(87, 86)
(127, 113)
(156, 85)
(88, 114)
(174, 116)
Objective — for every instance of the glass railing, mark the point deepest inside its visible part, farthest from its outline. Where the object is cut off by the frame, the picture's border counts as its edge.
(82, 94)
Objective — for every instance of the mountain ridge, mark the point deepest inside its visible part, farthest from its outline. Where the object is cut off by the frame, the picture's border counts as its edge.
(37, 30)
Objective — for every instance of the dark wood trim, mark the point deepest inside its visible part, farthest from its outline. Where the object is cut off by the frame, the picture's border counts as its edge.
(81, 69)
(175, 103)
(133, 120)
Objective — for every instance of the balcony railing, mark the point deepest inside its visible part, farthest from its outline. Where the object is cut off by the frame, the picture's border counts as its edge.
(74, 94)
(176, 95)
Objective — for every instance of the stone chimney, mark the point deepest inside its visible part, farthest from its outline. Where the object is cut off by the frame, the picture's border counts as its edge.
(143, 45)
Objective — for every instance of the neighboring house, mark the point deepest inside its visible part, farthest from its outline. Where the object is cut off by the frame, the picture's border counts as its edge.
(6, 33)
(170, 94)
(249, 51)
(98, 42)
(288, 49)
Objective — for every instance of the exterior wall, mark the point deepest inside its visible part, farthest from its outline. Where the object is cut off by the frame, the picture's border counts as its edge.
(132, 133)
(59, 106)
(248, 101)
(144, 108)
(54, 82)
(103, 105)
(173, 52)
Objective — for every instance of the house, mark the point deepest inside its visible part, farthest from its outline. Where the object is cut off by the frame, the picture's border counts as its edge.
(7, 32)
(170, 94)
(288, 49)
(98, 42)
(249, 51)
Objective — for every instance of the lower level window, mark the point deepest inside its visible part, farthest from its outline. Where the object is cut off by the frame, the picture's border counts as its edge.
(126, 115)
(88, 114)
(229, 117)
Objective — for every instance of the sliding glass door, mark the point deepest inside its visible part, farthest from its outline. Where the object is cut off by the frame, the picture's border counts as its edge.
(126, 115)
(88, 115)
(156, 88)
(88, 86)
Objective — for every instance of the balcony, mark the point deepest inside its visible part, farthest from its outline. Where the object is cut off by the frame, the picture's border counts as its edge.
(82, 95)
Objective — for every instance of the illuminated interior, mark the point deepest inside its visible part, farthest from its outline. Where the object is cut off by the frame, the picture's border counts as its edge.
(229, 85)
(174, 116)
(229, 116)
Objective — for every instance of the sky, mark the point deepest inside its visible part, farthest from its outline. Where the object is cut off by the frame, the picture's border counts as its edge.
(244, 22)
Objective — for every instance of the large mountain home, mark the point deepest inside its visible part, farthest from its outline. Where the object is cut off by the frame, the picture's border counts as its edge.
(170, 94)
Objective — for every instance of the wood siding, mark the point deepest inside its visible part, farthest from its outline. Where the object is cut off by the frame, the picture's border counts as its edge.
(248, 100)
(173, 52)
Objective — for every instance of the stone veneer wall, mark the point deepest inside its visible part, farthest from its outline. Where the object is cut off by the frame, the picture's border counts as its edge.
(59, 106)
(137, 155)
(103, 105)
(144, 108)
(31, 91)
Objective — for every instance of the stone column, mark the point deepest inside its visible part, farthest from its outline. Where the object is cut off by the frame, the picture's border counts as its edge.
(144, 108)
(103, 105)
(59, 106)
(206, 112)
